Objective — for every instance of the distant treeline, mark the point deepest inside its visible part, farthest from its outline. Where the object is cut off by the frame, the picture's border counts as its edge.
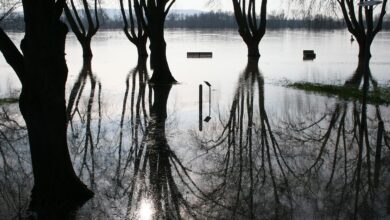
(217, 20)
(227, 20)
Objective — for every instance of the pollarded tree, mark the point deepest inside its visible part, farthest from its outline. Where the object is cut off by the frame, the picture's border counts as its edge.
(84, 30)
(42, 71)
(135, 17)
(360, 20)
(251, 26)
(156, 12)
(363, 29)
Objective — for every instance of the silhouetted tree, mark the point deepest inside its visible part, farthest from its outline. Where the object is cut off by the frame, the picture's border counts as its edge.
(139, 39)
(155, 14)
(251, 28)
(84, 31)
(42, 72)
(359, 19)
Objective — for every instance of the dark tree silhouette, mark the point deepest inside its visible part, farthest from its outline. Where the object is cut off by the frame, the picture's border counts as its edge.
(251, 26)
(363, 27)
(139, 39)
(84, 31)
(155, 14)
(43, 72)
(360, 21)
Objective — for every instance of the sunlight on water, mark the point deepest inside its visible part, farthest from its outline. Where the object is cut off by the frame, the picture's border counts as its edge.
(146, 210)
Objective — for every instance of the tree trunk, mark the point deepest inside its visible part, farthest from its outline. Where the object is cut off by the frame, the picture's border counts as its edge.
(158, 57)
(364, 51)
(87, 51)
(252, 65)
(141, 48)
(57, 190)
(253, 48)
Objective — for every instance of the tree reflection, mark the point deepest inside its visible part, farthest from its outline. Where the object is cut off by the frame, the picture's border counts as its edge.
(346, 145)
(15, 170)
(138, 115)
(84, 140)
(149, 173)
(250, 169)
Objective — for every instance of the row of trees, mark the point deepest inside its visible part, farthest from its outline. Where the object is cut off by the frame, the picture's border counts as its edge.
(252, 22)
(212, 20)
(42, 70)
(275, 21)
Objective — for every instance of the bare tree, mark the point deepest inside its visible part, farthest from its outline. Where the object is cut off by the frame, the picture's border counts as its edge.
(42, 72)
(139, 39)
(155, 14)
(251, 26)
(84, 30)
(360, 20)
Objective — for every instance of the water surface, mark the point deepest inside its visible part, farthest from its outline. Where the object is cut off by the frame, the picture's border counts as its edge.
(267, 152)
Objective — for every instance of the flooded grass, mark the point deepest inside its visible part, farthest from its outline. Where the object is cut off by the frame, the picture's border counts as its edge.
(380, 96)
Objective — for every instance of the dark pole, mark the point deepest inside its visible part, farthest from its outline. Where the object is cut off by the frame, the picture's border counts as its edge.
(207, 119)
(209, 100)
(200, 107)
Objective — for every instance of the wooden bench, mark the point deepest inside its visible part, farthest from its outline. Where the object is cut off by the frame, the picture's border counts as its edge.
(199, 54)
(309, 55)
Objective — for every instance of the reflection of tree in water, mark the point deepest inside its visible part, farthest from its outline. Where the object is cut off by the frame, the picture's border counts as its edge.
(148, 171)
(250, 170)
(83, 142)
(15, 169)
(138, 115)
(347, 147)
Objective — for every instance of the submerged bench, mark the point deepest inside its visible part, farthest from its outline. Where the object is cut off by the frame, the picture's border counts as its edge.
(199, 54)
(309, 55)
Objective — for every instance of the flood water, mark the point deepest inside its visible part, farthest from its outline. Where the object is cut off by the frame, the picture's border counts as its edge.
(265, 151)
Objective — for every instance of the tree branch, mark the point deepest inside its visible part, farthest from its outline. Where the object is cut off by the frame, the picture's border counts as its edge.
(381, 16)
(12, 55)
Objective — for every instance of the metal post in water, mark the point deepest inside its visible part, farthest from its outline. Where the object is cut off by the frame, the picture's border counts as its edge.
(207, 119)
(200, 107)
